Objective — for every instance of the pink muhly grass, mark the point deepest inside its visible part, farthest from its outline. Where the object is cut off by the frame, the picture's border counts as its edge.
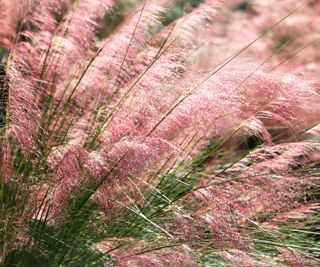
(299, 213)
(5, 161)
(263, 187)
(68, 165)
(127, 256)
(22, 112)
(293, 259)
(103, 140)
(72, 48)
(33, 45)
(117, 50)
(237, 258)
(10, 14)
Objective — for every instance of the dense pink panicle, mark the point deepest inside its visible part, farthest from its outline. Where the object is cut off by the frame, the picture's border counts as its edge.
(72, 166)
(278, 160)
(150, 98)
(129, 158)
(216, 107)
(283, 158)
(96, 165)
(9, 15)
(223, 227)
(32, 46)
(103, 75)
(237, 258)
(231, 104)
(293, 259)
(169, 81)
(187, 227)
(164, 257)
(299, 213)
(24, 116)
(68, 174)
(117, 62)
(165, 75)
(76, 36)
(257, 184)
(137, 154)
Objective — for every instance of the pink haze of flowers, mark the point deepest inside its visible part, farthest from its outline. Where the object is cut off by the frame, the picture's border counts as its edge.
(107, 109)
